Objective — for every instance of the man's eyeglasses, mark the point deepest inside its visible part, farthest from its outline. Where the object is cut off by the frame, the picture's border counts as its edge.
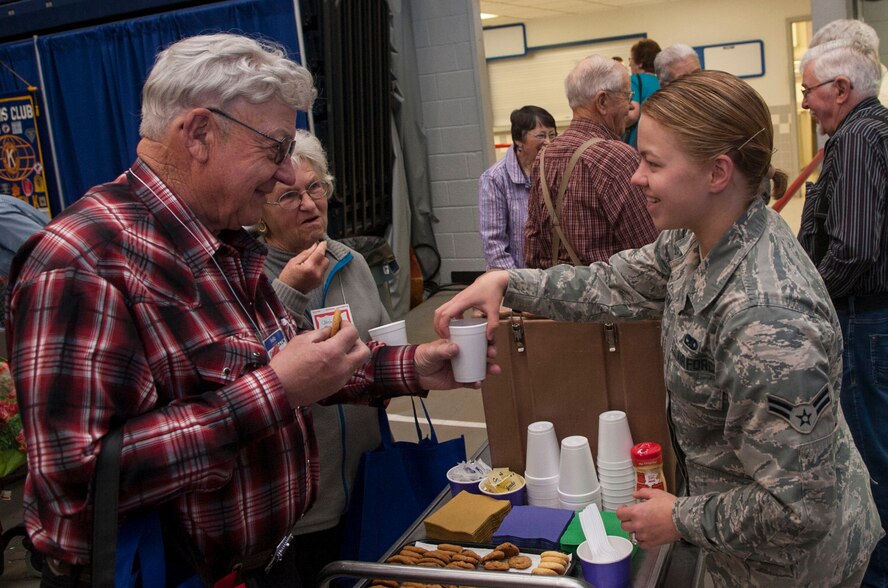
(291, 199)
(284, 146)
(626, 95)
(806, 91)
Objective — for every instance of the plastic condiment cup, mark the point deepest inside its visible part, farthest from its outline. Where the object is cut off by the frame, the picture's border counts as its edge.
(542, 450)
(470, 364)
(391, 334)
(602, 573)
(576, 469)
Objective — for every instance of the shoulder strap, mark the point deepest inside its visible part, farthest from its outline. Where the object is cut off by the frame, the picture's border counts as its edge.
(640, 90)
(107, 484)
(558, 235)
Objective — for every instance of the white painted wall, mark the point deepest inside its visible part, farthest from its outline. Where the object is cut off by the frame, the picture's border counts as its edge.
(692, 22)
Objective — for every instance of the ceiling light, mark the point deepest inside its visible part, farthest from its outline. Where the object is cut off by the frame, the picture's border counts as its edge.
(485, 15)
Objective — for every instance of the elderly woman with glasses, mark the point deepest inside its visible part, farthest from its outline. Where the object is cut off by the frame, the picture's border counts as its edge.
(309, 271)
(504, 188)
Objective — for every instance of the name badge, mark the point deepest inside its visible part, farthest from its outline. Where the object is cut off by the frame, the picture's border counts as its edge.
(274, 343)
(323, 317)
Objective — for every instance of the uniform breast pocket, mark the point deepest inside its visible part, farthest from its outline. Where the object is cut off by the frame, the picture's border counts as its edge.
(227, 359)
(692, 379)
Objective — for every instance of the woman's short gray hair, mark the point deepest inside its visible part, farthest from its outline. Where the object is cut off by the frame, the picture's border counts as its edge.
(214, 70)
(307, 148)
(592, 75)
(852, 59)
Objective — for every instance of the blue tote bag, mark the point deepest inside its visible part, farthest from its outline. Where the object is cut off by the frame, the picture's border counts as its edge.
(395, 483)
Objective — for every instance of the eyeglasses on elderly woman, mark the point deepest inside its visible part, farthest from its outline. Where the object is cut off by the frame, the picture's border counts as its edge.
(291, 199)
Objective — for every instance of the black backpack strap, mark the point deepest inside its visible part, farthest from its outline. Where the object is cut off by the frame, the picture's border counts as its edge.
(107, 490)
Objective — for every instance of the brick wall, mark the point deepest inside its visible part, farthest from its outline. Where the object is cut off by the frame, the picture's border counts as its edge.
(449, 53)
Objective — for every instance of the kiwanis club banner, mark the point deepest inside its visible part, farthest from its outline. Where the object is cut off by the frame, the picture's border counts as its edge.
(22, 173)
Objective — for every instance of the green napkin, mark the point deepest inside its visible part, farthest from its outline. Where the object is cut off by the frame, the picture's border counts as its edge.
(573, 535)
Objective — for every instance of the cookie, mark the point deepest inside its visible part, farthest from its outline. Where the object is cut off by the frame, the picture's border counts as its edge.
(519, 562)
(543, 572)
(414, 548)
(551, 565)
(430, 563)
(450, 547)
(557, 554)
(466, 558)
(562, 560)
(494, 555)
(386, 583)
(411, 554)
(460, 564)
(400, 559)
(508, 549)
(470, 553)
(337, 321)
(444, 556)
(496, 566)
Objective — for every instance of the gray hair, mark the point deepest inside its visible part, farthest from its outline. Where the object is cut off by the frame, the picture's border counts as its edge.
(592, 75)
(214, 70)
(845, 29)
(307, 148)
(671, 55)
(849, 58)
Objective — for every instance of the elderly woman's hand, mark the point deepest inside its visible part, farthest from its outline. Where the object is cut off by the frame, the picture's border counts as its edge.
(305, 272)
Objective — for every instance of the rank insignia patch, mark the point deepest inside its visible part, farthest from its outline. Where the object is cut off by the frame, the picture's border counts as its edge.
(802, 417)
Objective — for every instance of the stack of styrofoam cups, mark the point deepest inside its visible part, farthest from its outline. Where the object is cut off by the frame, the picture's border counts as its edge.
(577, 483)
(615, 470)
(541, 465)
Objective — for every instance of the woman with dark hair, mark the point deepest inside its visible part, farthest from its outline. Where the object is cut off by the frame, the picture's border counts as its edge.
(503, 189)
(644, 83)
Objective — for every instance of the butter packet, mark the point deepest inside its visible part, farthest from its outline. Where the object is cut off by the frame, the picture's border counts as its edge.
(502, 480)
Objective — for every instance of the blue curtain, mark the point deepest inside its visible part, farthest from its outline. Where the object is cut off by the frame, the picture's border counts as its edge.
(93, 79)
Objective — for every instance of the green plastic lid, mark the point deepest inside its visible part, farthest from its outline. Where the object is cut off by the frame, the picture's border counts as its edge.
(573, 535)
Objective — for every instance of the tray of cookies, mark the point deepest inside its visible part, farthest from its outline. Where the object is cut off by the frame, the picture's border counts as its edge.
(502, 558)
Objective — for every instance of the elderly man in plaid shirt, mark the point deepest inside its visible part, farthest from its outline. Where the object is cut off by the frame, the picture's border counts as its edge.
(601, 212)
(145, 304)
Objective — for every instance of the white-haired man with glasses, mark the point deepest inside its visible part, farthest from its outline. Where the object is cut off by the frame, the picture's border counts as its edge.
(845, 232)
(144, 306)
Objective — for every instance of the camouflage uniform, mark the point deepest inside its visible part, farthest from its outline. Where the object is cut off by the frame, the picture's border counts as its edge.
(753, 363)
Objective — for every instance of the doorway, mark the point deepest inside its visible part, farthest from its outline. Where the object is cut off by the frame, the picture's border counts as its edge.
(800, 33)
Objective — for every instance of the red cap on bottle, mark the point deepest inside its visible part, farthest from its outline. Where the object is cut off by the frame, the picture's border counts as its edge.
(647, 453)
